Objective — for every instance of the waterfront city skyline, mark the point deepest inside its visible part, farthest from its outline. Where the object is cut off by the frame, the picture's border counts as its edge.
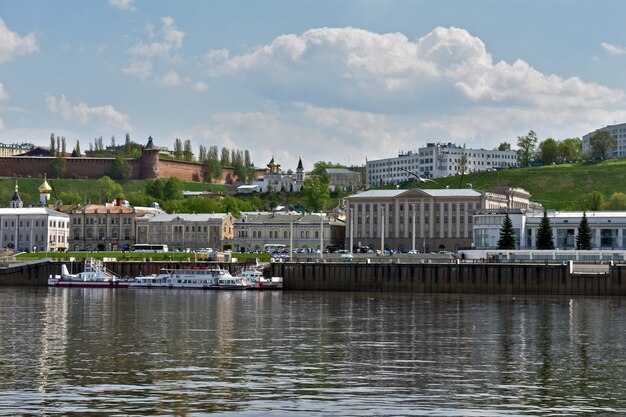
(334, 81)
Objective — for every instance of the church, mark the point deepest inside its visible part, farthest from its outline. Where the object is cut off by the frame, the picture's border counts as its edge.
(275, 180)
(37, 229)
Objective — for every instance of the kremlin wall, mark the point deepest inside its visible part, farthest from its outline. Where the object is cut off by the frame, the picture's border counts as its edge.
(147, 166)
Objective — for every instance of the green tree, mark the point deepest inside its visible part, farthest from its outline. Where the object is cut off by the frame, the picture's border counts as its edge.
(172, 189)
(545, 240)
(504, 146)
(507, 235)
(211, 170)
(462, 169)
(548, 151)
(201, 153)
(315, 192)
(225, 158)
(178, 148)
(187, 152)
(59, 166)
(120, 170)
(570, 149)
(128, 147)
(592, 201)
(52, 145)
(526, 147)
(155, 188)
(617, 201)
(583, 240)
(77, 149)
(602, 144)
(139, 199)
(108, 189)
(71, 198)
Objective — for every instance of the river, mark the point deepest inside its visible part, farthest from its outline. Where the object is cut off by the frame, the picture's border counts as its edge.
(134, 352)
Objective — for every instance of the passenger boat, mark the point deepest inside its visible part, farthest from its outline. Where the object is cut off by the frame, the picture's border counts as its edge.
(253, 275)
(95, 275)
(194, 278)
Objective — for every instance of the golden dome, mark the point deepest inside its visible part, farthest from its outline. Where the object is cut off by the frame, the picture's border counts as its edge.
(45, 187)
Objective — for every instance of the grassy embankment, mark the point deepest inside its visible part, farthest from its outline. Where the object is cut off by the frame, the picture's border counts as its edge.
(556, 186)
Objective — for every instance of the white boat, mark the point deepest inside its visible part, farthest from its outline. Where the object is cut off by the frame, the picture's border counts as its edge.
(194, 278)
(94, 275)
(253, 275)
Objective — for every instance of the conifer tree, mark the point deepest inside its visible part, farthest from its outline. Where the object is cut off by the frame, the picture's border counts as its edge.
(507, 237)
(545, 240)
(583, 240)
(52, 144)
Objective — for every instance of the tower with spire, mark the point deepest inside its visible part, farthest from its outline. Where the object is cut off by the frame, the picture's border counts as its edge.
(16, 201)
(44, 191)
(300, 171)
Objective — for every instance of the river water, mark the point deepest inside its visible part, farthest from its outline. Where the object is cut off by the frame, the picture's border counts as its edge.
(134, 352)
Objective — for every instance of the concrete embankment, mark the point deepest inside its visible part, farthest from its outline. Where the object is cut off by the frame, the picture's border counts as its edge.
(468, 278)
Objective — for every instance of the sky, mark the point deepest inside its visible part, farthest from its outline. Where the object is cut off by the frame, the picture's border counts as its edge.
(341, 81)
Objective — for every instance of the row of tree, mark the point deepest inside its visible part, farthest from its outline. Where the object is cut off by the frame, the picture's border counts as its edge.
(545, 239)
(551, 151)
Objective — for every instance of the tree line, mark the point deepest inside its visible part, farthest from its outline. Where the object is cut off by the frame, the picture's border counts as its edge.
(551, 151)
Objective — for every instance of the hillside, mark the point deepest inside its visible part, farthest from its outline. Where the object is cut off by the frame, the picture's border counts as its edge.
(29, 188)
(556, 186)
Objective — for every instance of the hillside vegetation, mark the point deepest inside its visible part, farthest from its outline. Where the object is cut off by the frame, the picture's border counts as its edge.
(559, 187)
(556, 186)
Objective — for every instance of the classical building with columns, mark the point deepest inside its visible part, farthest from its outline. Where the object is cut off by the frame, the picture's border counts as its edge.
(425, 220)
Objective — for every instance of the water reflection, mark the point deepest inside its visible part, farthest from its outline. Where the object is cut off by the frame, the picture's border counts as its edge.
(146, 352)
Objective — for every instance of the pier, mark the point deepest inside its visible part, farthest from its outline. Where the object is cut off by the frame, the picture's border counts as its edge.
(468, 278)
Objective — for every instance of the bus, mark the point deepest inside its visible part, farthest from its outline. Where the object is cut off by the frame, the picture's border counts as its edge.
(274, 247)
(149, 247)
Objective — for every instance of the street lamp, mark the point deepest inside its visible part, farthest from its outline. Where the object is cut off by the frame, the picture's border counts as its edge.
(413, 233)
(351, 230)
(382, 229)
(321, 235)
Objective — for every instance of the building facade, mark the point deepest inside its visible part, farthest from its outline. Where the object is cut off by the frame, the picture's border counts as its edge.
(608, 228)
(294, 230)
(13, 149)
(186, 231)
(436, 161)
(104, 227)
(32, 229)
(422, 220)
(344, 178)
(618, 131)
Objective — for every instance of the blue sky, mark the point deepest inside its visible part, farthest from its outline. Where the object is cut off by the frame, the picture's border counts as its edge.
(337, 80)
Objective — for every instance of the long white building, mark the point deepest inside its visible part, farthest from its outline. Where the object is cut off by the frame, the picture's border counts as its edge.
(608, 228)
(436, 161)
(618, 131)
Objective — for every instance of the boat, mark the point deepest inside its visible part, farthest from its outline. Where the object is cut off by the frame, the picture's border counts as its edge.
(193, 278)
(94, 275)
(253, 275)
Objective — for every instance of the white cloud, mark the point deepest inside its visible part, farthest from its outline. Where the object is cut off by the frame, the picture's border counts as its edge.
(171, 79)
(389, 73)
(200, 86)
(139, 69)
(144, 54)
(12, 45)
(3, 93)
(613, 49)
(104, 116)
(122, 4)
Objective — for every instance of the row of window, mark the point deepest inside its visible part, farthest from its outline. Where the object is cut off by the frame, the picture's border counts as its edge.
(102, 220)
(36, 238)
(36, 223)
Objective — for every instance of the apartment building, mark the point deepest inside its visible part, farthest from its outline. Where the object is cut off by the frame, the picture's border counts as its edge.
(436, 160)
(618, 131)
